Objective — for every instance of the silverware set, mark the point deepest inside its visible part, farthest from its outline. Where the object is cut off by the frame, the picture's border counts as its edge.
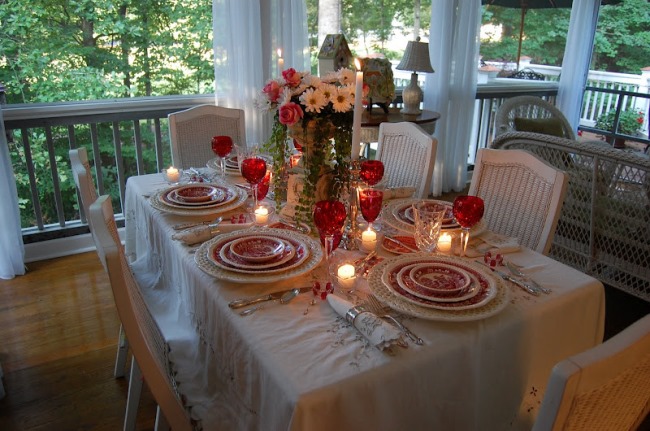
(518, 278)
(373, 305)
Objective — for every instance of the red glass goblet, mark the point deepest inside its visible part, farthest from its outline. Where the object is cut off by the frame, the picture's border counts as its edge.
(222, 146)
(372, 171)
(263, 186)
(253, 170)
(329, 218)
(468, 210)
(370, 200)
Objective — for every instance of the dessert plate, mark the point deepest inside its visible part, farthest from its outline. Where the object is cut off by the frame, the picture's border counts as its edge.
(454, 294)
(257, 249)
(288, 252)
(393, 247)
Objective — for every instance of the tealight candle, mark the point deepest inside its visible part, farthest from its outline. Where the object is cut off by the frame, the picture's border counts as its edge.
(368, 240)
(261, 215)
(173, 175)
(346, 276)
(444, 243)
(294, 160)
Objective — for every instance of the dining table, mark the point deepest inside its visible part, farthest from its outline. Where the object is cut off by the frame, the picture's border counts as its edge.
(303, 366)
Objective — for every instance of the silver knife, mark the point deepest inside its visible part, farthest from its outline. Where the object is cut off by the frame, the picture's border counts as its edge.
(527, 287)
(243, 302)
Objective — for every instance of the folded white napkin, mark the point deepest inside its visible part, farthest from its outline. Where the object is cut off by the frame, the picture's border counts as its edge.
(380, 334)
(493, 242)
(398, 192)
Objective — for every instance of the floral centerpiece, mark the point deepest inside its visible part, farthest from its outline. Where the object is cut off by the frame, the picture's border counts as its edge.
(317, 113)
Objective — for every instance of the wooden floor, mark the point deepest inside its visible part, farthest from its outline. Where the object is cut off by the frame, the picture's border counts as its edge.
(58, 333)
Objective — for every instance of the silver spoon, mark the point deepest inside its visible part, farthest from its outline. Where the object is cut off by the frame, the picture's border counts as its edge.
(516, 270)
(283, 300)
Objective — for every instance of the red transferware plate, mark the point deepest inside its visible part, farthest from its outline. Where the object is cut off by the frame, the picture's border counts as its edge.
(197, 192)
(257, 249)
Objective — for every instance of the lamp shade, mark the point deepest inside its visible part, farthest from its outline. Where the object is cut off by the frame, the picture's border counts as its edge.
(416, 57)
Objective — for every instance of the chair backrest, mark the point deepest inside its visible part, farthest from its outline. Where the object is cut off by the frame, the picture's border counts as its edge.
(409, 155)
(145, 339)
(191, 132)
(604, 388)
(523, 195)
(544, 117)
(83, 178)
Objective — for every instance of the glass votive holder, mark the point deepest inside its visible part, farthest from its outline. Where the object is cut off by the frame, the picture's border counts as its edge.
(343, 272)
(172, 175)
(369, 239)
(445, 241)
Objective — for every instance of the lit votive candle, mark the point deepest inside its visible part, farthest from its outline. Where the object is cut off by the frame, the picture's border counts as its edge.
(261, 215)
(294, 160)
(444, 243)
(173, 175)
(368, 240)
(346, 276)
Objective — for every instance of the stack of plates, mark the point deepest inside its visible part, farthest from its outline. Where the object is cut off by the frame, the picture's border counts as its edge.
(438, 287)
(399, 214)
(259, 255)
(198, 199)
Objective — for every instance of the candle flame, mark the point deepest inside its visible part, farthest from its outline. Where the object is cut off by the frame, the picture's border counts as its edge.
(357, 64)
(279, 53)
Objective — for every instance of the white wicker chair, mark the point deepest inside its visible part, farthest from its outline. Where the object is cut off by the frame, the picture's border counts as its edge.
(409, 155)
(530, 107)
(604, 388)
(83, 179)
(523, 195)
(150, 350)
(191, 132)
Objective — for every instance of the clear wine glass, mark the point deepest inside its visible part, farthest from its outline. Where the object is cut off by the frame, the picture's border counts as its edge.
(372, 171)
(253, 170)
(222, 146)
(468, 210)
(329, 218)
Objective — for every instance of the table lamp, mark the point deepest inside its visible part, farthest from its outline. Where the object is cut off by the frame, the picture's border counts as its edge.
(416, 59)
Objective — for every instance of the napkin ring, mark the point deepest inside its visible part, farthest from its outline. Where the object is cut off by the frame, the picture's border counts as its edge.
(352, 314)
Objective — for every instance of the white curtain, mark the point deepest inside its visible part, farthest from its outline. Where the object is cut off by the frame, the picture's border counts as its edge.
(577, 56)
(12, 251)
(247, 34)
(451, 90)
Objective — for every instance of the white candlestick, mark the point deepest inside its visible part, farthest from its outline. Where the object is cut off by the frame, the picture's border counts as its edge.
(280, 62)
(444, 243)
(358, 109)
(173, 175)
(261, 215)
(368, 240)
(346, 275)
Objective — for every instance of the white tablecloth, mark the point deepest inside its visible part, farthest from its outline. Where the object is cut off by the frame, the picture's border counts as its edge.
(282, 369)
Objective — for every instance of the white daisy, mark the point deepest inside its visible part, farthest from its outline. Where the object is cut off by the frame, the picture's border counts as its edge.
(313, 100)
(329, 91)
(346, 76)
(343, 100)
(285, 97)
(263, 103)
(330, 78)
(312, 81)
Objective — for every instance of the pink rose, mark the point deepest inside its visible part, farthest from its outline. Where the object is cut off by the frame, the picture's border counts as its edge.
(272, 90)
(290, 113)
(292, 77)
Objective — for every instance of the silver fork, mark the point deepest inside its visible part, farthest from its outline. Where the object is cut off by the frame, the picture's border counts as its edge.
(516, 270)
(374, 306)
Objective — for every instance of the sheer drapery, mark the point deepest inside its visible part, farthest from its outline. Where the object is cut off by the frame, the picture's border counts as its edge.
(451, 90)
(577, 56)
(12, 250)
(247, 35)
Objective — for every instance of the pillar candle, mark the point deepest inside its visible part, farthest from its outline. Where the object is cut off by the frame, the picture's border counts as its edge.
(261, 215)
(280, 62)
(173, 176)
(346, 275)
(358, 109)
(368, 240)
(444, 243)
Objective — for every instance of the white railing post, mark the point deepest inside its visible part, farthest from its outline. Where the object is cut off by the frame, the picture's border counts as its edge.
(643, 104)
